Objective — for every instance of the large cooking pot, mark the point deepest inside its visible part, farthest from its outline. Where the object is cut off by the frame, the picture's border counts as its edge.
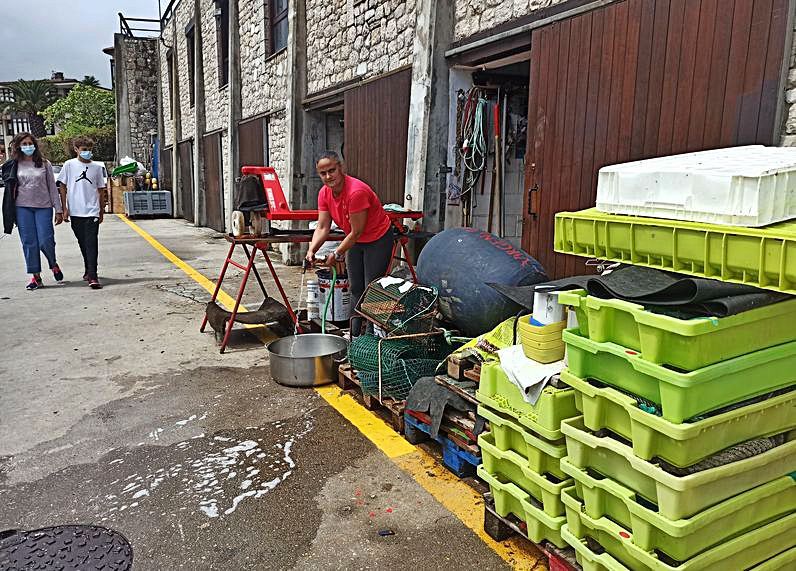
(307, 360)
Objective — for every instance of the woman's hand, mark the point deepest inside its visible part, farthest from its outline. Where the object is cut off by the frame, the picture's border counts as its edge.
(333, 262)
(59, 218)
(310, 257)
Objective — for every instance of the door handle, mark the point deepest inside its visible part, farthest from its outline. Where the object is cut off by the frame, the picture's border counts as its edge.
(533, 194)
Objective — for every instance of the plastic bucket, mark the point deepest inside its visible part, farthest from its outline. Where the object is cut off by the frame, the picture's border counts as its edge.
(340, 305)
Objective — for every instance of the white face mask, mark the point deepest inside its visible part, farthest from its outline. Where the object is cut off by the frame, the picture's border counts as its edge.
(28, 150)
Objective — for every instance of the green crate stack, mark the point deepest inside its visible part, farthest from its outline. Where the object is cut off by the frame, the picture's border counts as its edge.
(522, 452)
(684, 456)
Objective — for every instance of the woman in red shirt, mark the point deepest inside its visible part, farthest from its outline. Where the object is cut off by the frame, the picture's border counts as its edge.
(355, 208)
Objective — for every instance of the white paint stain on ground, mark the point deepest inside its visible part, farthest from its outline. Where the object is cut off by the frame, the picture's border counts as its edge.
(222, 468)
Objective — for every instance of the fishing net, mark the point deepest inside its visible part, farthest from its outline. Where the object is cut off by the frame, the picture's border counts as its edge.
(403, 361)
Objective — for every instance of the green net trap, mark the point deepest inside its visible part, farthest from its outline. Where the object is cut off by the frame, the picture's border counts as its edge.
(403, 362)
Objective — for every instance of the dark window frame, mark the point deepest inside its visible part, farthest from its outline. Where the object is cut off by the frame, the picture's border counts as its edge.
(222, 41)
(276, 19)
(190, 48)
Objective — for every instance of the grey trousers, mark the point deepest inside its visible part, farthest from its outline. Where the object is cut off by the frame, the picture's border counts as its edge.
(365, 263)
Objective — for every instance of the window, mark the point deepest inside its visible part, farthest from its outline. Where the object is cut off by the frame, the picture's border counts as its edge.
(6, 95)
(190, 47)
(222, 36)
(170, 73)
(278, 18)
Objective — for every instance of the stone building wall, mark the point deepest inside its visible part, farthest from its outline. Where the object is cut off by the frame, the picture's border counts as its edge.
(473, 16)
(140, 57)
(348, 39)
(789, 112)
(216, 96)
(277, 141)
(263, 77)
(183, 15)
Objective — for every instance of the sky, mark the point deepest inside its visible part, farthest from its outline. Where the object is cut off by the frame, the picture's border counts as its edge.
(42, 36)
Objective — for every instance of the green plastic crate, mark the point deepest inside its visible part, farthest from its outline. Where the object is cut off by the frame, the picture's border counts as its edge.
(761, 257)
(510, 499)
(515, 469)
(677, 497)
(540, 455)
(499, 393)
(683, 539)
(682, 395)
(785, 560)
(746, 551)
(687, 344)
(679, 444)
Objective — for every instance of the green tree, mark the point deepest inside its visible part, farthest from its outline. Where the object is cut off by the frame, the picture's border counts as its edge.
(31, 98)
(90, 80)
(84, 108)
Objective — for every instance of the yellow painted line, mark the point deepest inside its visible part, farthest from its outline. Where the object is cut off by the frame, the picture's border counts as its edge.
(456, 496)
(225, 299)
(375, 429)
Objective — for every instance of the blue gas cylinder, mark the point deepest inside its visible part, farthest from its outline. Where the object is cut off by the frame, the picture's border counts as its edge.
(460, 262)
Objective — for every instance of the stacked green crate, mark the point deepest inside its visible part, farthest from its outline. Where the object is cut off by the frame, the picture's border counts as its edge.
(685, 454)
(522, 452)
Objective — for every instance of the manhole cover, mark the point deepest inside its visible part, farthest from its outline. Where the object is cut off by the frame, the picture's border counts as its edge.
(65, 548)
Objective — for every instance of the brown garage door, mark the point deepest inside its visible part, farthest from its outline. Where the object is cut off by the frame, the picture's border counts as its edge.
(185, 182)
(213, 196)
(164, 167)
(376, 124)
(638, 79)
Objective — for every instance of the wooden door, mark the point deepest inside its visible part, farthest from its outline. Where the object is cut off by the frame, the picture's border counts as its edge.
(185, 182)
(164, 169)
(213, 195)
(376, 125)
(638, 79)
(251, 140)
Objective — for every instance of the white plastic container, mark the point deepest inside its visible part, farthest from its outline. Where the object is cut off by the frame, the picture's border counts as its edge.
(737, 186)
(340, 304)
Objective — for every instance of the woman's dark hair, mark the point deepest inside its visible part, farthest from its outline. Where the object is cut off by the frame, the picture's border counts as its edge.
(16, 143)
(331, 155)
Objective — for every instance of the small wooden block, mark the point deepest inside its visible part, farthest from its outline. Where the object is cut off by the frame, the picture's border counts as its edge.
(473, 374)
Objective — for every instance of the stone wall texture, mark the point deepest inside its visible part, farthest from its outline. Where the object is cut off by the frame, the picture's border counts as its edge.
(183, 15)
(216, 96)
(141, 56)
(263, 77)
(277, 144)
(789, 129)
(348, 39)
(473, 16)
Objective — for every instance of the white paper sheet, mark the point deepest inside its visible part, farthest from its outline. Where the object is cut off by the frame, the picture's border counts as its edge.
(529, 376)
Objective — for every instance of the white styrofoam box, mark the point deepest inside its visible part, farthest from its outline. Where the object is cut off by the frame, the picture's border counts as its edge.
(737, 186)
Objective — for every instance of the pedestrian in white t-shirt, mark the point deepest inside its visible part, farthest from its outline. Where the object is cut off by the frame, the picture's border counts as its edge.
(82, 182)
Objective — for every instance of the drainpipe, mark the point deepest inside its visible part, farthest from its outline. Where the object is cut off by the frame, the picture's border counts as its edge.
(199, 116)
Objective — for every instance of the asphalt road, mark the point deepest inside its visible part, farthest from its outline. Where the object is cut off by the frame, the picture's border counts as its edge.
(116, 411)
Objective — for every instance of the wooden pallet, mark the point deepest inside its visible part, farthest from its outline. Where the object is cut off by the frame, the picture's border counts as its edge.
(501, 528)
(393, 410)
(458, 456)
(454, 385)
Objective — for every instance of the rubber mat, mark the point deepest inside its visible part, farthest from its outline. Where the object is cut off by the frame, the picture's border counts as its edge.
(67, 548)
(663, 292)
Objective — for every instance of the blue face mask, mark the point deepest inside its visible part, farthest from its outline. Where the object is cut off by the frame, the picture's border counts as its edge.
(85, 155)
(28, 149)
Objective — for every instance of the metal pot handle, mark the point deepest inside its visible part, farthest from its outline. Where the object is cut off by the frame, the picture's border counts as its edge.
(340, 361)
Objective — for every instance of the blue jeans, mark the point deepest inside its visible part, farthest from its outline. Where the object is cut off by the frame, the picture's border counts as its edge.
(37, 234)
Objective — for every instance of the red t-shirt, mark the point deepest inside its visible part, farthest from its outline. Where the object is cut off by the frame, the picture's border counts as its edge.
(356, 197)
